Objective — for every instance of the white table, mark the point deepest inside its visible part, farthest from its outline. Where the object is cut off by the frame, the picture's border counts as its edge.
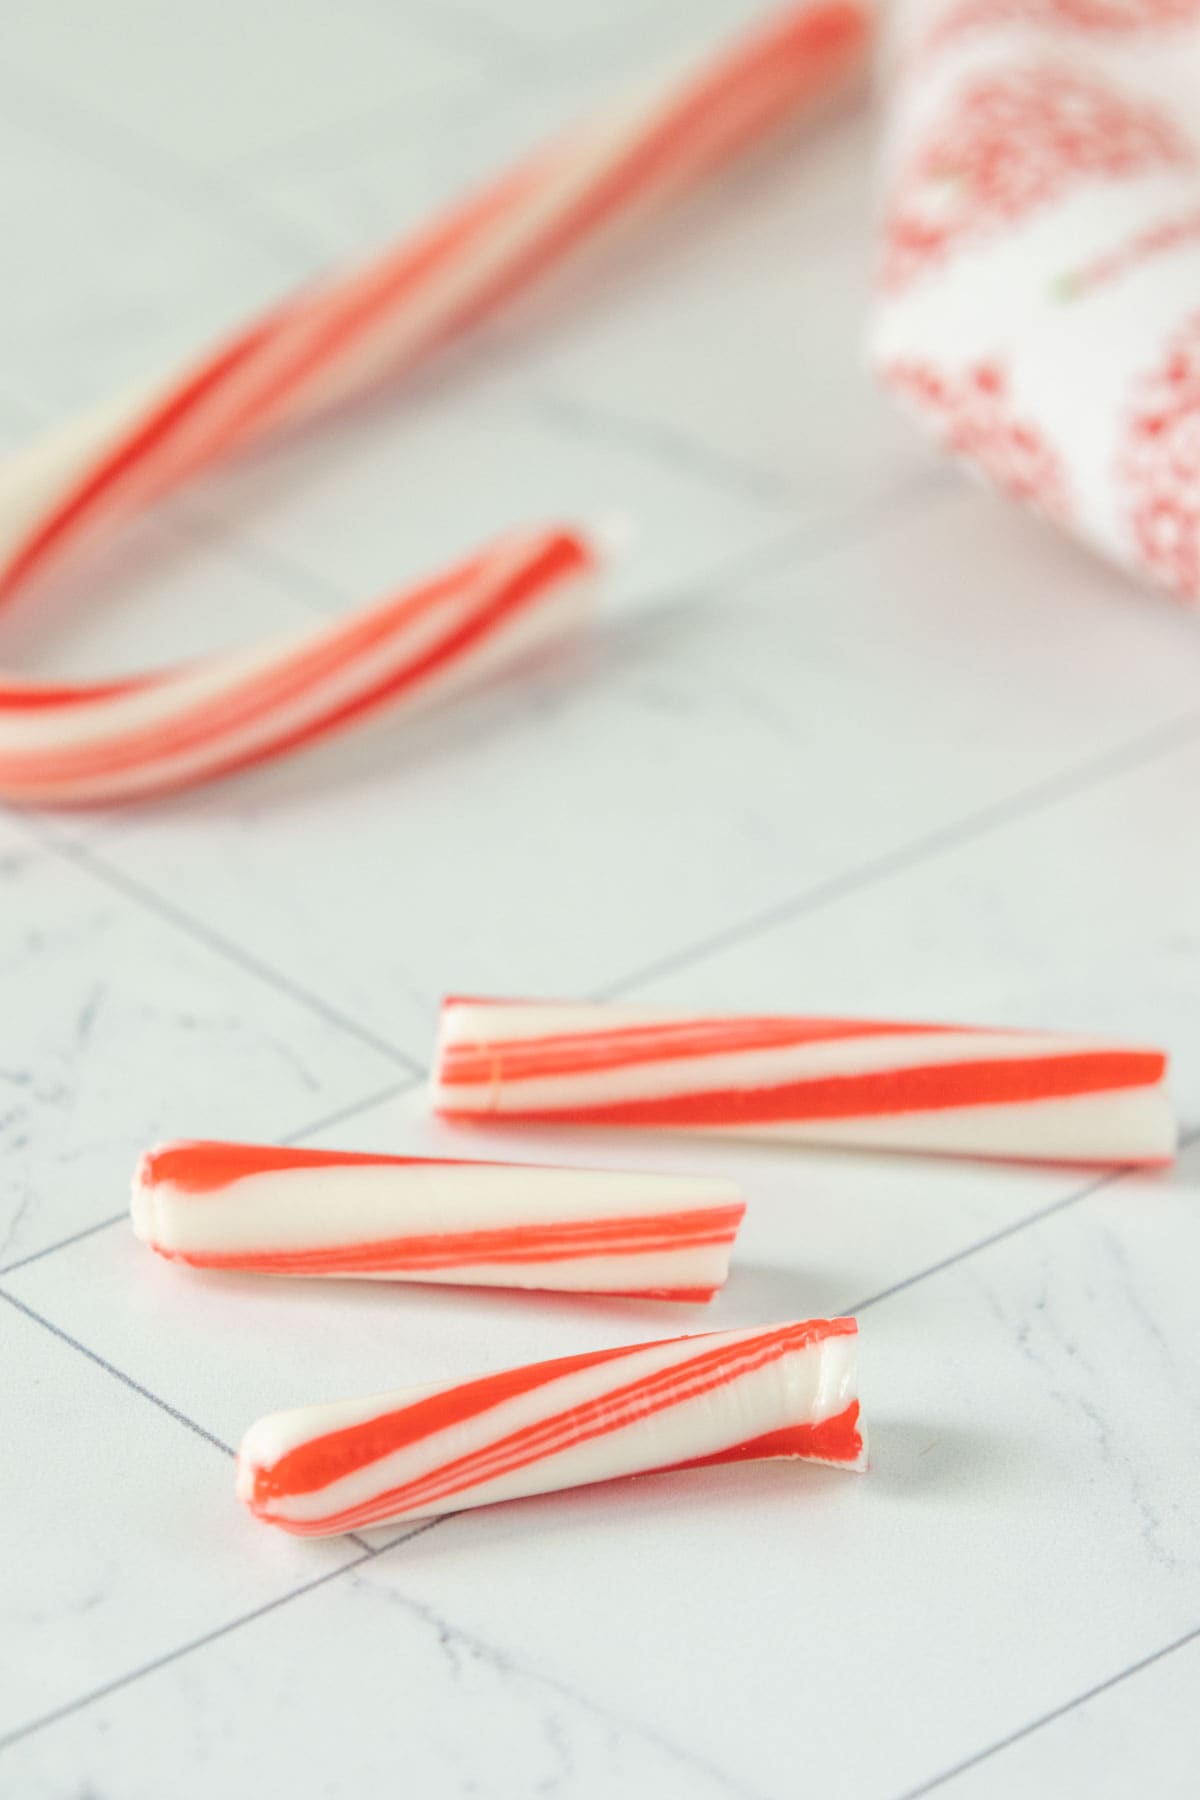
(848, 736)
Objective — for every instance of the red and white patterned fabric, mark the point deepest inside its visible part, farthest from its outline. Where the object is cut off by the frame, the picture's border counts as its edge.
(1039, 274)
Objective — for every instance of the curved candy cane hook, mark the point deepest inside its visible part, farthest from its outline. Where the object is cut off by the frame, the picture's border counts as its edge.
(100, 742)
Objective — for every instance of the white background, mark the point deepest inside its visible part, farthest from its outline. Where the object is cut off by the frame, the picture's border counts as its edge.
(848, 736)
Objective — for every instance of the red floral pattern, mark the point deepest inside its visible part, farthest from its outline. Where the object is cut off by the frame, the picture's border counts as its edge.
(1159, 468)
(973, 415)
(1109, 18)
(1013, 143)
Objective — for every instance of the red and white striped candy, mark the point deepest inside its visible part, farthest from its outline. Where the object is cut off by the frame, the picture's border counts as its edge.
(335, 1212)
(934, 1088)
(730, 1396)
(86, 743)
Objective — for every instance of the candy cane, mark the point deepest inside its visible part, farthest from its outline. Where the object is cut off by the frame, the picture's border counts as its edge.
(730, 1396)
(936, 1088)
(118, 740)
(336, 1212)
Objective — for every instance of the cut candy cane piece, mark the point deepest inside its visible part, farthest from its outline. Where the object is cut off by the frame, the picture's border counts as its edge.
(100, 742)
(932, 1088)
(331, 1212)
(729, 1396)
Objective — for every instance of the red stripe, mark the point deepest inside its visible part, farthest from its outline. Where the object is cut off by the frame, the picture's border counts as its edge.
(30, 697)
(201, 1166)
(563, 557)
(345, 313)
(667, 1040)
(804, 48)
(832, 1440)
(292, 674)
(633, 1236)
(143, 438)
(560, 557)
(326, 1459)
(581, 1423)
(416, 1257)
(695, 1296)
(938, 1087)
(801, 46)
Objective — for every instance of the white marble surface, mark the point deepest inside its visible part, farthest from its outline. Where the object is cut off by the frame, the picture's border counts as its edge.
(847, 736)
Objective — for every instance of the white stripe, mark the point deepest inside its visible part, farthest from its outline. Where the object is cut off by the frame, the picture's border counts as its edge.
(632, 1272)
(357, 1203)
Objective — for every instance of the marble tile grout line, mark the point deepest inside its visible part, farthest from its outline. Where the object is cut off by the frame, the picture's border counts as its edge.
(84, 858)
(493, 1652)
(143, 163)
(1014, 809)
(102, 1362)
(1062, 1204)
(81, 1701)
(76, 1237)
(138, 1387)
(1059, 1712)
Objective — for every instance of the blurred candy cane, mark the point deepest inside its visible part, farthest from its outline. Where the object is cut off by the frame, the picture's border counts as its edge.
(118, 740)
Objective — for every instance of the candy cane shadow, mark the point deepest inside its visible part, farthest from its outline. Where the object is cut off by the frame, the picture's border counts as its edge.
(530, 695)
(52, 628)
(913, 1461)
(759, 1291)
(675, 1498)
(381, 748)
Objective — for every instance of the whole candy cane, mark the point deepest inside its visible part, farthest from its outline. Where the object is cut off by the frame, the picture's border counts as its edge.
(118, 740)
(936, 1088)
(730, 1396)
(337, 1212)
